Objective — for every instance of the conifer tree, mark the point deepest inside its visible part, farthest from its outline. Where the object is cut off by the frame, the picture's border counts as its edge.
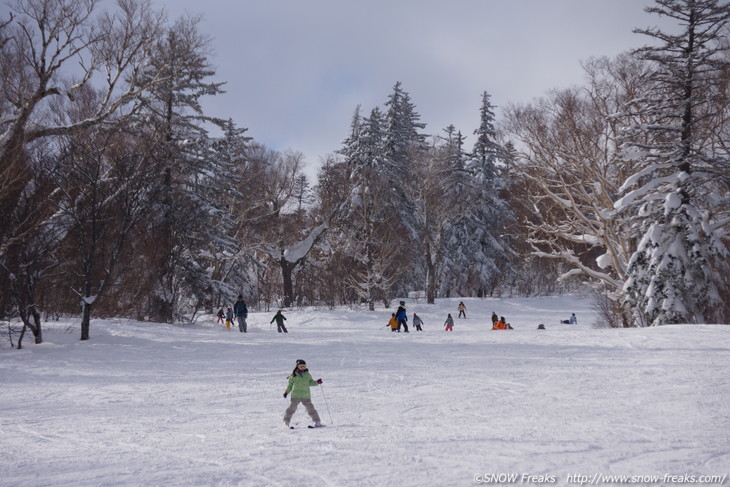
(186, 218)
(368, 211)
(486, 149)
(488, 248)
(670, 196)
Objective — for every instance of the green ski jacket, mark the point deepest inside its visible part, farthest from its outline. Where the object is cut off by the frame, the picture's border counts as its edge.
(299, 385)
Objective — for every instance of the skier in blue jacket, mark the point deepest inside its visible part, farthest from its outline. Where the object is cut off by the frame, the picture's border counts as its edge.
(402, 317)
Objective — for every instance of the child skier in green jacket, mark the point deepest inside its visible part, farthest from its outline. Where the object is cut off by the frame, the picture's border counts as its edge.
(299, 383)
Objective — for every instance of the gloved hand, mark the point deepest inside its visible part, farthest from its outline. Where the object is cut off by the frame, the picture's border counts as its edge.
(286, 394)
(319, 381)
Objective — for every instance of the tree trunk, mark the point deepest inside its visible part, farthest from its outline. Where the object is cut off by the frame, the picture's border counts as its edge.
(85, 321)
(37, 329)
(34, 327)
(430, 276)
(287, 269)
(20, 338)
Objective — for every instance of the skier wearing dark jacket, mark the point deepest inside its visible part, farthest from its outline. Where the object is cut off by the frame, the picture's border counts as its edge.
(402, 317)
(241, 312)
(279, 318)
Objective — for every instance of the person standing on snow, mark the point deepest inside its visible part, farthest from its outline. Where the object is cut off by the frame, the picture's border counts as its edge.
(462, 309)
(393, 322)
(279, 322)
(417, 322)
(402, 317)
(241, 312)
(300, 381)
(221, 314)
(229, 318)
(449, 323)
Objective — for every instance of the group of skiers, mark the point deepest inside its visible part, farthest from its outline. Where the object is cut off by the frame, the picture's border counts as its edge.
(400, 319)
(499, 323)
(239, 312)
(300, 380)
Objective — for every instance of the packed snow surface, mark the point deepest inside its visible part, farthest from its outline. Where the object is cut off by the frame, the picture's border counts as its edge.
(158, 405)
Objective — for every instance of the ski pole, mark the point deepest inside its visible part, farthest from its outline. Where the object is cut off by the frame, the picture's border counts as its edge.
(327, 405)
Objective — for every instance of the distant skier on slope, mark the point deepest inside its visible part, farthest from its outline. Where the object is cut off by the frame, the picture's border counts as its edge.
(573, 320)
(417, 322)
(462, 309)
(229, 318)
(449, 323)
(393, 322)
(279, 318)
(501, 324)
(402, 317)
(241, 311)
(300, 381)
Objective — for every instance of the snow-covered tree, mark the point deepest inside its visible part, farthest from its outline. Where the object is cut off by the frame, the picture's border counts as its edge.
(486, 149)
(487, 257)
(402, 142)
(369, 218)
(51, 52)
(31, 253)
(190, 173)
(568, 177)
(401, 130)
(443, 195)
(671, 196)
(104, 185)
(221, 185)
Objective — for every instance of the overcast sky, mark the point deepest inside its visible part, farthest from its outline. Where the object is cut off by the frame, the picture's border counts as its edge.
(297, 69)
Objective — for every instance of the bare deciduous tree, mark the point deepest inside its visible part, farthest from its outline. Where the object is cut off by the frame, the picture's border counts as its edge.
(569, 141)
(51, 52)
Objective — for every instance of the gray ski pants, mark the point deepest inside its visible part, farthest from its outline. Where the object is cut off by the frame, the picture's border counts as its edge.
(295, 404)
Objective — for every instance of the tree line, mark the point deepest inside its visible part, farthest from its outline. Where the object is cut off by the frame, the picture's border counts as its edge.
(118, 200)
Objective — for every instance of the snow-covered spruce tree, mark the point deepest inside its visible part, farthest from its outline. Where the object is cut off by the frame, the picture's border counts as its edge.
(402, 142)
(221, 185)
(670, 198)
(489, 248)
(369, 221)
(443, 196)
(185, 225)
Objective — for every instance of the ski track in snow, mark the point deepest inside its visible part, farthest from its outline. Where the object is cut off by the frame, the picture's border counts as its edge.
(151, 404)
